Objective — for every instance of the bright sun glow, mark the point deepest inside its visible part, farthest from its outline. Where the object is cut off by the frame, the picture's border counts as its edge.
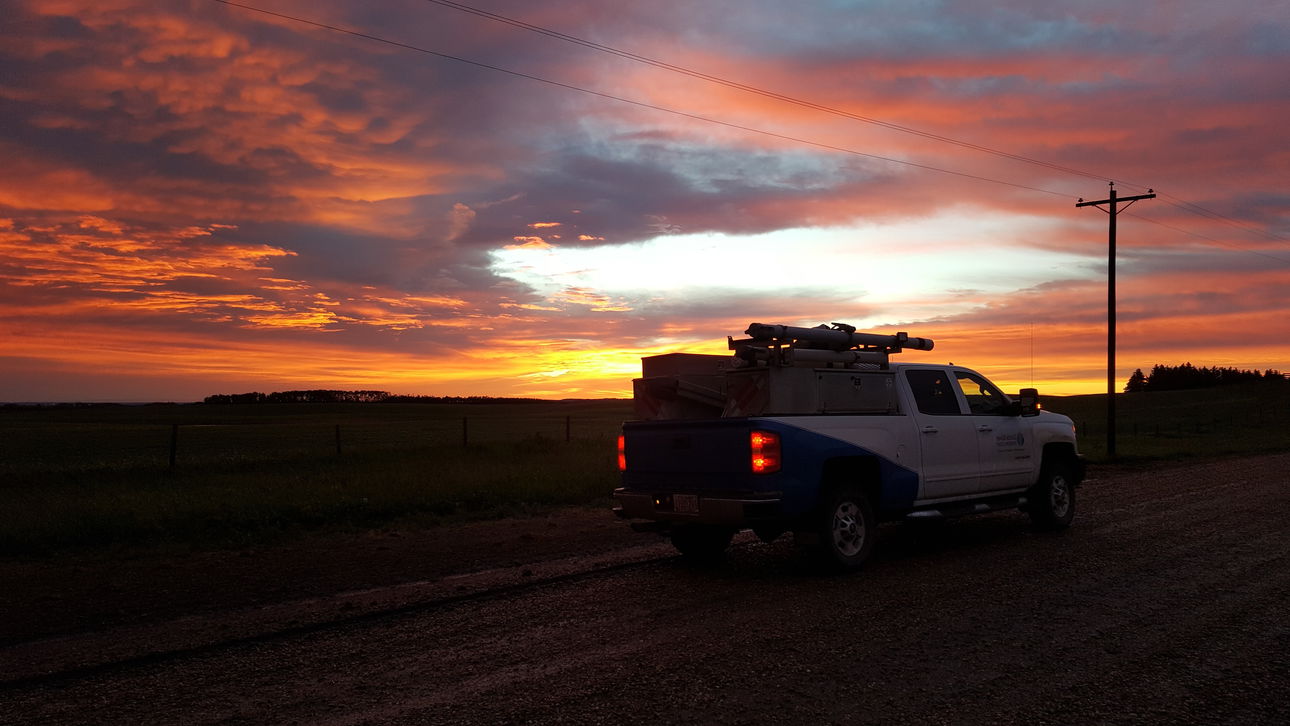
(902, 271)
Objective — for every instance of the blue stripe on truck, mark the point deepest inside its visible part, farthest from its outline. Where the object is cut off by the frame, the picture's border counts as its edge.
(805, 454)
(711, 458)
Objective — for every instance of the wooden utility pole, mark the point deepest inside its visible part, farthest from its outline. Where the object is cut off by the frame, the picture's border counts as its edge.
(1112, 211)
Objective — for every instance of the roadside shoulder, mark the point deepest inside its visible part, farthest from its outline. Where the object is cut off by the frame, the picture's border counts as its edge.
(74, 593)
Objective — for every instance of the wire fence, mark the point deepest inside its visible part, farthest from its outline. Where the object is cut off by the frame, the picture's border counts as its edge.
(67, 444)
(33, 442)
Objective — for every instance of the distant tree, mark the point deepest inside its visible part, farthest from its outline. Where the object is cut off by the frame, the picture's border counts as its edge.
(254, 397)
(330, 396)
(1137, 382)
(1188, 376)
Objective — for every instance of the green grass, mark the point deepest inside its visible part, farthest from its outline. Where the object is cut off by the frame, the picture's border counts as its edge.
(244, 503)
(97, 478)
(76, 479)
(55, 440)
(1211, 422)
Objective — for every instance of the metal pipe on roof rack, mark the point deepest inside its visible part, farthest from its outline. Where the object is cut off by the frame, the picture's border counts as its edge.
(836, 339)
(816, 356)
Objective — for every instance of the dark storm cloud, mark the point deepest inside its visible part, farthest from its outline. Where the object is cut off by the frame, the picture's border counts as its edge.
(646, 190)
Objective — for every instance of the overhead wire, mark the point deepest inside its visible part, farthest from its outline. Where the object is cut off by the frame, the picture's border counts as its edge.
(761, 91)
(728, 83)
(1211, 214)
(641, 104)
(1215, 242)
(1181, 204)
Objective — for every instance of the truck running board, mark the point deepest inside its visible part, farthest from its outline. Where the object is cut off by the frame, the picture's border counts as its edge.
(959, 509)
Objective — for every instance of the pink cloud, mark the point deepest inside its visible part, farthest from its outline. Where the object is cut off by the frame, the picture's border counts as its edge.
(202, 174)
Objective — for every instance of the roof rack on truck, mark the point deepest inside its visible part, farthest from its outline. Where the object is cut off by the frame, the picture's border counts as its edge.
(778, 367)
(840, 344)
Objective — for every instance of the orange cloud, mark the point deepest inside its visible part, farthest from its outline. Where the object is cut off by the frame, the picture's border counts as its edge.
(101, 267)
(206, 194)
(102, 254)
(529, 243)
(595, 302)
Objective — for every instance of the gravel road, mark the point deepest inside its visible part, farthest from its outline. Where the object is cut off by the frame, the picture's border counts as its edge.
(1166, 602)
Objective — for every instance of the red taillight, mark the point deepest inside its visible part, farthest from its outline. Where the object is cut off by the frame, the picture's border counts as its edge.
(622, 453)
(764, 446)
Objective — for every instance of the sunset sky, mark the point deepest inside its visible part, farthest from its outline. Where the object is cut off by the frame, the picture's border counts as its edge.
(199, 198)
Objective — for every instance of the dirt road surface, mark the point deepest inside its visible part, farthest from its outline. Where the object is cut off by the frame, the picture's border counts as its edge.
(1166, 602)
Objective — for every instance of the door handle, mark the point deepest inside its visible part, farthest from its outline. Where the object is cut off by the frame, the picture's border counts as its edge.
(930, 429)
(983, 428)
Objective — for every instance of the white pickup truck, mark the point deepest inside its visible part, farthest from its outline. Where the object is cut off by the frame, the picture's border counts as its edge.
(814, 431)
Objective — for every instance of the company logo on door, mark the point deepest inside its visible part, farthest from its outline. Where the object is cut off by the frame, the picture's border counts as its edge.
(1007, 441)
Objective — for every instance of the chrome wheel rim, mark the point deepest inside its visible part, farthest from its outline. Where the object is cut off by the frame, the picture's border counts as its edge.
(1059, 496)
(848, 529)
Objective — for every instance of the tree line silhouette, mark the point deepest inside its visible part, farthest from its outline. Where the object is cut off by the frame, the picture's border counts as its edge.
(329, 396)
(1186, 376)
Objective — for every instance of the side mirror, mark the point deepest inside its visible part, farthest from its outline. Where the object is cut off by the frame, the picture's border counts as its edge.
(1030, 405)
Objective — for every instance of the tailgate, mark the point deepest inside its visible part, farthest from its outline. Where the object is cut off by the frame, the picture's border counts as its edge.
(690, 455)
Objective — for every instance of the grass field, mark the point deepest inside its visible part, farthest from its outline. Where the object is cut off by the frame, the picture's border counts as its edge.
(77, 478)
(1179, 424)
(100, 477)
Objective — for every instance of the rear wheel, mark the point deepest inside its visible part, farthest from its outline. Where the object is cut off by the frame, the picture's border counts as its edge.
(847, 528)
(701, 543)
(1052, 499)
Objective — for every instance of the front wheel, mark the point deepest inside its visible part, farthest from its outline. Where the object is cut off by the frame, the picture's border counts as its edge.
(847, 528)
(1052, 499)
(701, 543)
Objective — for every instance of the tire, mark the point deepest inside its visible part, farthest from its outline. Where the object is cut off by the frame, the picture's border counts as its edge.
(847, 528)
(1051, 503)
(701, 543)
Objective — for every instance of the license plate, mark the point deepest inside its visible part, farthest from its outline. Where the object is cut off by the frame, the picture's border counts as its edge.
(685, 503)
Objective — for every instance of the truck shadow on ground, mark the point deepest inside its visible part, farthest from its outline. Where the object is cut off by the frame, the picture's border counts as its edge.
(899, 544)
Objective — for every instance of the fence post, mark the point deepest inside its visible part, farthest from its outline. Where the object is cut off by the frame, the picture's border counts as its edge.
(174, 444)
(465, 432)
(337, 439)
(568, 429)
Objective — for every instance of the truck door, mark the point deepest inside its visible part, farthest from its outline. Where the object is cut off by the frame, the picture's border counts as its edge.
(947, 437)
(1006, 462)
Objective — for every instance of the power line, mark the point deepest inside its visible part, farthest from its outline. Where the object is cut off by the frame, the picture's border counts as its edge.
(728, 83)
(683, 70)
(1215, 242)
(641, 104)
(749, 129)
(1203, 212)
